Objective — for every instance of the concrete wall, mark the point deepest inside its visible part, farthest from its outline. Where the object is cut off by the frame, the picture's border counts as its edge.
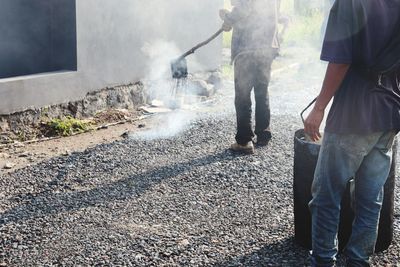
(110, 38)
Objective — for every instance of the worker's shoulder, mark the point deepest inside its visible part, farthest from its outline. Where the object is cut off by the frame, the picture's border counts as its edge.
(352, 5)
(371, 5)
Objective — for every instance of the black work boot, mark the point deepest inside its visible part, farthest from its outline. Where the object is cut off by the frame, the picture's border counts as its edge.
(263, 140)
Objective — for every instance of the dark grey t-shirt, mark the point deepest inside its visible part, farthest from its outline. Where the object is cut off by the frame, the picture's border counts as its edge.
(254, 27)
(357, 31)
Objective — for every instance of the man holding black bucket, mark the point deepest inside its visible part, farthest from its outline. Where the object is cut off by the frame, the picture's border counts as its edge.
(362, 46)
(254, 46)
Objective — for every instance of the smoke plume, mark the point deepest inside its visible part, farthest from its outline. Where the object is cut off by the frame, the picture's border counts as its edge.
(166, 126)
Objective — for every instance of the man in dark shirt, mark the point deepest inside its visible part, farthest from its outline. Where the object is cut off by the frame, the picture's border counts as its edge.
(254, 46)
(360, 129)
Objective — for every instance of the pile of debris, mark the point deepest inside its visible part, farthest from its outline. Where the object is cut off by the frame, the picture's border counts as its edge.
(183, 93)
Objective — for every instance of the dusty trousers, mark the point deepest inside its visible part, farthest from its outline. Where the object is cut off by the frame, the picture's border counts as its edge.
(252, 70)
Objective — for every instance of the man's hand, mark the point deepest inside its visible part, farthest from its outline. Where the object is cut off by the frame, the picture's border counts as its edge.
(223, 13)
(334, 77)
(226, 26)
(313, 123)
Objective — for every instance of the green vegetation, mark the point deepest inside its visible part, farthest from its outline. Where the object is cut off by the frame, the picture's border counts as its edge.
(67, 126)
(227, 36)
(21, 136)
(226, 40)
(227, 71)
(305, 29)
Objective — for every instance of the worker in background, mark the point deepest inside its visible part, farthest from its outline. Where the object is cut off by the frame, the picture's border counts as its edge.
(362, 46)
(254, 47)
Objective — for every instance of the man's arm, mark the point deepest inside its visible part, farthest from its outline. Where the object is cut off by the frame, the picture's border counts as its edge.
(240, 11)
(334, 77)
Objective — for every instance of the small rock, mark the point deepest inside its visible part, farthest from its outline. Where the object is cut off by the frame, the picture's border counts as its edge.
(139, 257)
(19, 144)
(9, 165)
(125, 134)
(24, 154)
(66, 153)
(53, 183)
(215, 79)
(157, 103)
(200, 88)
(184, 242)
(141, 125)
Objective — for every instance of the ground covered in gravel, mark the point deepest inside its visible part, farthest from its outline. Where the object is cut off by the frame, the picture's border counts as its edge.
(179, 201)
(173, 195)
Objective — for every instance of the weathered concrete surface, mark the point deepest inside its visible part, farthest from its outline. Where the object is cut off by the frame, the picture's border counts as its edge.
(110, 40)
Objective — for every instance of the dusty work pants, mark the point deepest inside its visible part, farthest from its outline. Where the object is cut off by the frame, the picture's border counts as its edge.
(342, 157)
(252, 70)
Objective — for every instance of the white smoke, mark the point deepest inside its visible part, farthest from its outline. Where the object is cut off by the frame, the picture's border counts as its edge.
(161, 87)
(158, 81)
(166, 126)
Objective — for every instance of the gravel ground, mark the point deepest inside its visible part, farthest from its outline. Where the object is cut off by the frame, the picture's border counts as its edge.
(181, 199)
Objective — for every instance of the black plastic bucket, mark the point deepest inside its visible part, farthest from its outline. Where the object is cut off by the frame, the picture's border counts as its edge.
(305, 160)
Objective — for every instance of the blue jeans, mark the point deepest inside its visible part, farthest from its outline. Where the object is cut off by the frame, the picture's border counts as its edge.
(341, 158)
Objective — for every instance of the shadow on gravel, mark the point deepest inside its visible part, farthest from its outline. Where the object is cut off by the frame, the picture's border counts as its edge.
(51, 201)
(281, 253)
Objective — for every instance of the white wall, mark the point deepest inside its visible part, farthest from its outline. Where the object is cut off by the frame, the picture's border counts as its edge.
(110, 38)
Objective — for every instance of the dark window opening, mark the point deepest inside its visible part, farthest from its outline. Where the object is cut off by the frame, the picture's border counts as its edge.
(37, 36)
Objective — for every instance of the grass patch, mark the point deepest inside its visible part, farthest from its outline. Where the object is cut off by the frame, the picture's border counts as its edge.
(66, 126)
(305, 29)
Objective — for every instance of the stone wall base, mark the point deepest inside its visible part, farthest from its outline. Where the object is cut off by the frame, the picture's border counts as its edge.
(24, 125)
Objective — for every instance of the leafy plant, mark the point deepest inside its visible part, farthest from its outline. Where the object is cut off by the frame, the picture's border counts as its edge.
(20, 136)
(67, 126)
